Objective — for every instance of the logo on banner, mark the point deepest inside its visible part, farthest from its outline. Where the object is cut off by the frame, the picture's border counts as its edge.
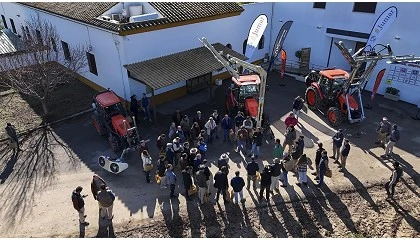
(255, 33)
(381, 25)
(278, 45)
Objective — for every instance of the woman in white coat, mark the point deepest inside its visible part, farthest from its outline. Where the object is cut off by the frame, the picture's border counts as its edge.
(147, 164)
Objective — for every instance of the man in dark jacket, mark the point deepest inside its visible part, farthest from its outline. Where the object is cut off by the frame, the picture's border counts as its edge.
(265, 183)
(226, 126)
(134, 107)
(106, 202)
(95, 185)
(186, 177)
(79, 204)
(394, 179)
(177, 117)
(256, 142)
(252, 168)
(221, 183)
(13, 136)
(337, 142)
(161, 143)
(275, 174)
(238, 184)
(223, 161)
(301, 145)
(239, 119)
(161, 166)
(145, 103)
(345, 150)
(201, 182)
(323, 166)
(297, 106)
(394, 137)
(200, 120)
(317, 160)
(207, 173)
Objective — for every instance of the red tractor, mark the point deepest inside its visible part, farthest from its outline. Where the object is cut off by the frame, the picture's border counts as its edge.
(329, 92)
(111, 118)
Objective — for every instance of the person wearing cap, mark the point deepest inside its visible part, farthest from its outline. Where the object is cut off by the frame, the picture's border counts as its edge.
(145, 103)
(215, 115)
(211, 129)
(337, 143)
(289, 139)
(242, 136)
(256, 142)
(95, 185)
(252, 168)
(383, 130)
(134, 106)
(394, 137)
(238, 185)
(79, 204)
(345, 150)
(199, 119)
(201, 182)
(239, 119)
(223, 161)
(291, 121)
(394, 179)
(106, 202)
(185, 127)
(297, 106)
(275, 175)
(265, 183)
(177, 117)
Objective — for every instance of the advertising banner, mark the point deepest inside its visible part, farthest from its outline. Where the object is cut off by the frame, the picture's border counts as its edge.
(377, 83)
(255, 33)
(379, 28)
(278, 44)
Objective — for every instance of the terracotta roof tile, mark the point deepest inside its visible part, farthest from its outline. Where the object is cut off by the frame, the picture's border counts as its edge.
(167, 70)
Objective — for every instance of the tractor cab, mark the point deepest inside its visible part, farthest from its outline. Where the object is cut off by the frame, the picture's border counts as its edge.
(243, 94)
(331, 82)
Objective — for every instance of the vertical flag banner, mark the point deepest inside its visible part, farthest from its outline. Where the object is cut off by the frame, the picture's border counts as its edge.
(283, 63)
(381, 25)
(377, 83)
(255, 33)
(278, 44)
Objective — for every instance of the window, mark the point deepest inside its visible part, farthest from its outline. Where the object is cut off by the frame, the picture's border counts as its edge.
(366, 7)
(13, 25)
(54, 45)
(38, 37)
(66, 50)
(3, 20)
(320, 5)
(244, 46)
(229, 46)
(92, 63)
(261, 43)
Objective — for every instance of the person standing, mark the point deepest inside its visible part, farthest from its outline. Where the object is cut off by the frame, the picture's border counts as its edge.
(278, 150)
(323, 166)
(252, 168)
(221, 183)
(161, 143)
(216, 118)
(301, 145)
(291, 121)
(345, 150)
(207, 173)
(223, 161)
(106, 202)
(176, 148)
(302, 167)
(226, 126)
(161, 166)
(145, 103)
(199, 119)
(180, 134)
(394, 137)
(317, 160)
(256, 142)
(95, 185)
(239, 119)
(200, 180)
(13, 136)
(383, 130)
(194, 133)
(394, 179)
(185, 127)
(297, 106)
(147, 164)
(337, 142)
(170, 179)
(238, 184)
(275, 174)
(172, 131)
(265, 183)
(134, 106)
(289, 139)
(79, 204)
(143, 146)
(242, 136)
(211, 129)
(286, 159)
(188, 182)
(170, 155)
(202, 147)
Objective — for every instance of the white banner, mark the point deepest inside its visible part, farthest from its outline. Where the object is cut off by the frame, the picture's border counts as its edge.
(381, 25)
(255, 33)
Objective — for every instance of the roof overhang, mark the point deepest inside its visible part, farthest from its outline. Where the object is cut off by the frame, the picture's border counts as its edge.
(174, 68)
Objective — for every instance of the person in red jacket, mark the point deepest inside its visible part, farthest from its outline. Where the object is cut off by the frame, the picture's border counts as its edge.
(291, 121)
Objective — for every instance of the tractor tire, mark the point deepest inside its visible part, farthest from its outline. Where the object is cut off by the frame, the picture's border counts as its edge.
(335, 116)
(312, 98)
(311, 77)
(99, 126)
(115, 143)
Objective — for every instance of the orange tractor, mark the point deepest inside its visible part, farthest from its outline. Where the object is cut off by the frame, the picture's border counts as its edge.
(111, 118)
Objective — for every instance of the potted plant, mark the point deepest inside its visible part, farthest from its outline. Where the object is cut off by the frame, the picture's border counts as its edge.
(392, 93)
(298, 54)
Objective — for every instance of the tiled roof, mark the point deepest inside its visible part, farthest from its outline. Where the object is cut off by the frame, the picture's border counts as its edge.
(167, 70)
(9, 42)
(172, 12)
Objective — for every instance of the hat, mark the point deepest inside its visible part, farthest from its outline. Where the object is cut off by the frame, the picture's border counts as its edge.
(276, 160)
(394, 126)
(396, 164)
(384, 119)
(169, 145)
(193, 150)
(224, 156)
(210, 118)
(205, 161)
(340, 130)
(346, 140)
(198, 112)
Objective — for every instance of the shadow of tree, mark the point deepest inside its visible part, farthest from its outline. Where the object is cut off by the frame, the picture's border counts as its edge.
(361, 189)
(34, 171)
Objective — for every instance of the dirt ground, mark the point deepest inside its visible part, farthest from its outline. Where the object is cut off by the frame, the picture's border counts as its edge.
(338, 215)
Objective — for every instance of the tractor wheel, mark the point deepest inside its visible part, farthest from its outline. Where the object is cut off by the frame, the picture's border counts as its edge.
(312, 98)
(311, 77)
(100, 127)
(335, 116)
(115, 143)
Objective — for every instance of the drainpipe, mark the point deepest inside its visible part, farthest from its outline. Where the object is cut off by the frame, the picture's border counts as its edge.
(271, 30)
(329, 53)
(117, 45)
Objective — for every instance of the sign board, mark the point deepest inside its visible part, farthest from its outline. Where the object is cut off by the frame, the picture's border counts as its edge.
(408, 74)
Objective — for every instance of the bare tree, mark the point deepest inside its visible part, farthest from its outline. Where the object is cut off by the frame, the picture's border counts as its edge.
(43, 62)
